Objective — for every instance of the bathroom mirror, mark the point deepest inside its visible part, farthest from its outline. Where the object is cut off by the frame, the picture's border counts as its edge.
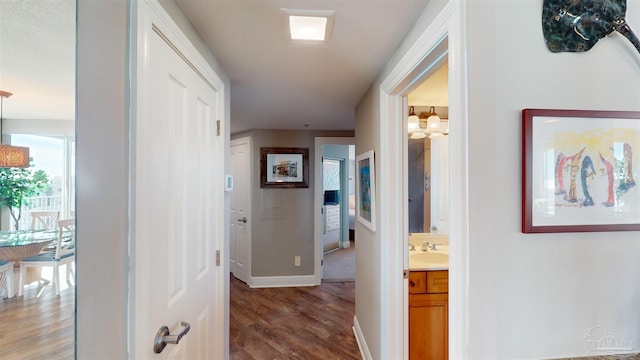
(428, 155)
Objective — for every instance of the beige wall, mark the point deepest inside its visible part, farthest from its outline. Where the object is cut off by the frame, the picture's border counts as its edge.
(282, 219)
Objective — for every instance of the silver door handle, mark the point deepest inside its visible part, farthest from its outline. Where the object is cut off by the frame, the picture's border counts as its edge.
(244, 220)
(163, 338)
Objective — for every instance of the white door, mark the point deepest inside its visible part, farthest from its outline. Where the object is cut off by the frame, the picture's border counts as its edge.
(178, 210)
(240, 227)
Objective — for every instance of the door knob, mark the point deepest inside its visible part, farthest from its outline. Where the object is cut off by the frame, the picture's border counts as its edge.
(244, 220)
(163, 338)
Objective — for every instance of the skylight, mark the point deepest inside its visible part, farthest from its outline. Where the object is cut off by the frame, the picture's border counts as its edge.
(309, 25)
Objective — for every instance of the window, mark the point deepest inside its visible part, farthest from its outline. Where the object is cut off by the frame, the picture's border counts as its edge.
(55, 155)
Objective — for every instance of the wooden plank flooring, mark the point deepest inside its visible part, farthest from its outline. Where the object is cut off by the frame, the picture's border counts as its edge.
(292, 323)
(38, 328)
(274, 323)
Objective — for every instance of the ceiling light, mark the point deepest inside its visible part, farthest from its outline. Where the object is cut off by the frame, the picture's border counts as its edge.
(309, 25)
(11, 156)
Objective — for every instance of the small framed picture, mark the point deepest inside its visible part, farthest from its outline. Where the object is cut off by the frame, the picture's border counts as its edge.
(580, 171)
(284, 168)
(366, 190)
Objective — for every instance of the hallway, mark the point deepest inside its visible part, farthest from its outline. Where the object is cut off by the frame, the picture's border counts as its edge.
(292, 323)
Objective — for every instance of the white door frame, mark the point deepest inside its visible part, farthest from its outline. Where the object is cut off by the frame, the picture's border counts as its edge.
(318, 201)
(449, 23)
(246, 140)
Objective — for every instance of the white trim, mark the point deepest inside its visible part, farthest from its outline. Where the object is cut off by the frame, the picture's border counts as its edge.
(449, 24)
(362, 342)
(318, 200)
(282, 281)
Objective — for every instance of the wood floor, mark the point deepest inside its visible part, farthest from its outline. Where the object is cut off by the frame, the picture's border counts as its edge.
(275, 323)
(38, 328)
(292, 323)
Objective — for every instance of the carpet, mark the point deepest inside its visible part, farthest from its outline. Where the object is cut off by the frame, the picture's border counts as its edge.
(340, 265)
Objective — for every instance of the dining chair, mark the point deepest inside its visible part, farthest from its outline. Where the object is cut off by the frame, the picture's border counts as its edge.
(44, 219)
(64, 254)
(6, 269)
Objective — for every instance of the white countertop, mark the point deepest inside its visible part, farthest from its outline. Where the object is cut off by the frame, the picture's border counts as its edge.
(429, 260)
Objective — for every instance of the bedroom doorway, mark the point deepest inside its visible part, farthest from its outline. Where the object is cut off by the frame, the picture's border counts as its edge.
(333, 225)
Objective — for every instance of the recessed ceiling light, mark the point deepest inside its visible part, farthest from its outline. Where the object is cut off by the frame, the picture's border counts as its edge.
(309, 25)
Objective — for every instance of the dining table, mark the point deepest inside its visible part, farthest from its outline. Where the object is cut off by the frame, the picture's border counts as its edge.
(19, 244)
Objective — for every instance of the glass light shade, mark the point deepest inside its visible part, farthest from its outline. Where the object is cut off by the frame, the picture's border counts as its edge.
(14, 156)
(433, 123)
(414, 123)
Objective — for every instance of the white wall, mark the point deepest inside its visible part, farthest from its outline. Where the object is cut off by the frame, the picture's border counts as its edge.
(534, 296)
(530, 296)
(101, 180)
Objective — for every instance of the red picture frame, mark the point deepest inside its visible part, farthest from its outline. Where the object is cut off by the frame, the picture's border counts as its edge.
(580, 171)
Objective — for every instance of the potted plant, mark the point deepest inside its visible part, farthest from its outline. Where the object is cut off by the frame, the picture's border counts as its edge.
(17, 185)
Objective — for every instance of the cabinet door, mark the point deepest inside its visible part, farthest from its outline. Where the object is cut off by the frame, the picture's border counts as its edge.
(428, 326)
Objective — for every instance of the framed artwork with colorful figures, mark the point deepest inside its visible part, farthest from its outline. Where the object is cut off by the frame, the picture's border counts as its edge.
(580, 171)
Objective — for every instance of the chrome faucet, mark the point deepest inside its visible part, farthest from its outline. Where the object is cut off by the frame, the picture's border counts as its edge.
(429, 246)
(411, 247)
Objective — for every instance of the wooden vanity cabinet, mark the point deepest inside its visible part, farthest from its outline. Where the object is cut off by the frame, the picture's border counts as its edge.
(429, 315)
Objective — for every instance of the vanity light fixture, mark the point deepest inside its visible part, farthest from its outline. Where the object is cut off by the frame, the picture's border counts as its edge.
(11, 156)
(309, 25)
(428, 123)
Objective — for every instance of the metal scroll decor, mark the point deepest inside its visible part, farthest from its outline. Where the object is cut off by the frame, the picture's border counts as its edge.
(577, 25)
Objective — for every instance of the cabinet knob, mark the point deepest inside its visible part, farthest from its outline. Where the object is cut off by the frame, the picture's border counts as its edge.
(412, 283)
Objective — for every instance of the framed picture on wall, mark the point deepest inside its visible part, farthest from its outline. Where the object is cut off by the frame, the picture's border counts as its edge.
(284, 167)
(366, 190)
(580, 171)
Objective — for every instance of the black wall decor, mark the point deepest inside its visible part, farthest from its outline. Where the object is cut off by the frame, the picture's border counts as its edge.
(577, 25)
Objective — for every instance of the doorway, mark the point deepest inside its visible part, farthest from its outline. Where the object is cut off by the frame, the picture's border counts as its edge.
(240, 214)
(338, 233)
(334, 227)
(443, 31)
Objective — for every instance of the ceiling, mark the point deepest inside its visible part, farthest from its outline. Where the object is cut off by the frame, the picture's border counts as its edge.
(276, 83)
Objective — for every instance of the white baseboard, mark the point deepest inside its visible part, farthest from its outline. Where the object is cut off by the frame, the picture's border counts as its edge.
(362, 343)
(283, 281)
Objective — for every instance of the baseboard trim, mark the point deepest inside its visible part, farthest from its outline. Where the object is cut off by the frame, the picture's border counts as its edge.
(362, 343)
(282, 281)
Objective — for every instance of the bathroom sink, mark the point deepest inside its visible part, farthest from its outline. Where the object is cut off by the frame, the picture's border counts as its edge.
(430, 257)
(426, 260)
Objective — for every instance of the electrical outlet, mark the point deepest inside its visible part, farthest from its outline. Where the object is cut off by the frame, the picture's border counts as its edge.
(296, 261)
